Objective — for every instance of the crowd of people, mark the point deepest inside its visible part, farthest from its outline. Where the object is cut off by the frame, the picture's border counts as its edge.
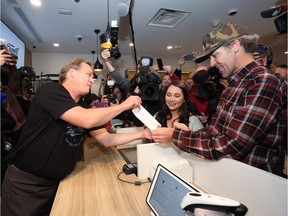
(236, 108)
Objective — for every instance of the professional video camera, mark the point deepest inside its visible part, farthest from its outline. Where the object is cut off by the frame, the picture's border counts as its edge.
(28, 74)
(147, 81)
(208, 82)
(109, 39)
(215, 77)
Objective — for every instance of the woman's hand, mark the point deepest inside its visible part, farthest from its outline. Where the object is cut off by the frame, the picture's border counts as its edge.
(181, 126)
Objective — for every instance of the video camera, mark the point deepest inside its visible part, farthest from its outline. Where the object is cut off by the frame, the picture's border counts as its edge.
(147, 81)
(28, 74)
(208, 82)
(109, 39)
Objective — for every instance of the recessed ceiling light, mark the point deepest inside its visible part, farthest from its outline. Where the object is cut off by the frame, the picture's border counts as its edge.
(286, 52)
(36, 2)
(56, 45)
(233, 12)
(131, 44)
(169, 47)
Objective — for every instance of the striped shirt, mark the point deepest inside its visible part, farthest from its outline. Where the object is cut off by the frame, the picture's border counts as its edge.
(250, 122)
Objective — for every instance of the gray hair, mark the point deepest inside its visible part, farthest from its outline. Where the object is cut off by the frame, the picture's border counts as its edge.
(249, 42)
(73, 64)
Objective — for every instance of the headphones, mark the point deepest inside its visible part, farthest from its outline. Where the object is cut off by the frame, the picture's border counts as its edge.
(267, 51)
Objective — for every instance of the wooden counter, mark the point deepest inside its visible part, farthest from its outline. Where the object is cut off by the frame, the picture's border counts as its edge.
(93, 189)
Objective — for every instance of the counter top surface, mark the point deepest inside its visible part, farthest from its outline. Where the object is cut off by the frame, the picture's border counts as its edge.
(93, 189)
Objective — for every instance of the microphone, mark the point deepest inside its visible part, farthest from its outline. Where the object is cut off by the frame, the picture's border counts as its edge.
(274, 11)
(123, 8)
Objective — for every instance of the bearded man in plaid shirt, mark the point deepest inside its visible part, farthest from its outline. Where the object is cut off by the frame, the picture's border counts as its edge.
(250, 124)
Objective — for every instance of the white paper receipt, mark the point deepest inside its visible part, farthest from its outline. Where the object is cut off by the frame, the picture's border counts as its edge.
(146, 118)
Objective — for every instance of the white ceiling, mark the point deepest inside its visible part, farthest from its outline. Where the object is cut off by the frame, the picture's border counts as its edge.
(87, 15)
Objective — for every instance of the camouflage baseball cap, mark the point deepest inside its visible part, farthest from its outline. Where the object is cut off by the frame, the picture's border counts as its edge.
(220, 35)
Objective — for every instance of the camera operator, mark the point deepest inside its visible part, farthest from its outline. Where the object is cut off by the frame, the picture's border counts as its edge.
(264, 55)
(205, 93)
(113, 92)
(145, 81)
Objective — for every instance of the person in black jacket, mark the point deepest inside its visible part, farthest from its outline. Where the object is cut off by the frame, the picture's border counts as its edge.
(145, 83)
(51, 141)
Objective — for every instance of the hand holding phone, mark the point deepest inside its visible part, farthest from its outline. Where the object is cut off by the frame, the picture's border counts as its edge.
(7, 57)
(190, 57)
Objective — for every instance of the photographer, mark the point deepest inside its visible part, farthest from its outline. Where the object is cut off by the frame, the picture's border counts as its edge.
(12, 115)
(205, 93)
(6, 57)
(113, 93)
(145, 81)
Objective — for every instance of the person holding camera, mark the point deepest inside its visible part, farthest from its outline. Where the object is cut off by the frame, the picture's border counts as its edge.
(6, 57)
(145, 83)
(205, 93)
(52, 140)
(12, 116)
(250, 122)
(264, 55)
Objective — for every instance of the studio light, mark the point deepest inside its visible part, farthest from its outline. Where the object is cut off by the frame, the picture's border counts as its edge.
(97, 66)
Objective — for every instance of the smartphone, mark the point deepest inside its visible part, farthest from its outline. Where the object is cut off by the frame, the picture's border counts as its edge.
(189, 57)
(160, 63)
(101, 104)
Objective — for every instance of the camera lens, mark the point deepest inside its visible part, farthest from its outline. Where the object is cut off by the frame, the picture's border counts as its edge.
(149, 91)
(114, 51)
(117, 55)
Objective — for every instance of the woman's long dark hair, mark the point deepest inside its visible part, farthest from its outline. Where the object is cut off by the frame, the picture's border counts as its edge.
(165, 114)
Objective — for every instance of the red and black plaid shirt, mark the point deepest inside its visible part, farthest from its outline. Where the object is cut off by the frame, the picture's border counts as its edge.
(250, 122)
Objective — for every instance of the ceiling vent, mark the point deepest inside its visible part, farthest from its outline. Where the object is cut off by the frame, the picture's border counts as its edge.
(168, 18)
(64, 11)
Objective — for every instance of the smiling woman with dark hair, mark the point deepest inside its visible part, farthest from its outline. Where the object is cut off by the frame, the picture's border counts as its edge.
(175, 109)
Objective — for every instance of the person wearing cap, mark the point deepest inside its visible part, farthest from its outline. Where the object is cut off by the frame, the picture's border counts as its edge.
(251, 117)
